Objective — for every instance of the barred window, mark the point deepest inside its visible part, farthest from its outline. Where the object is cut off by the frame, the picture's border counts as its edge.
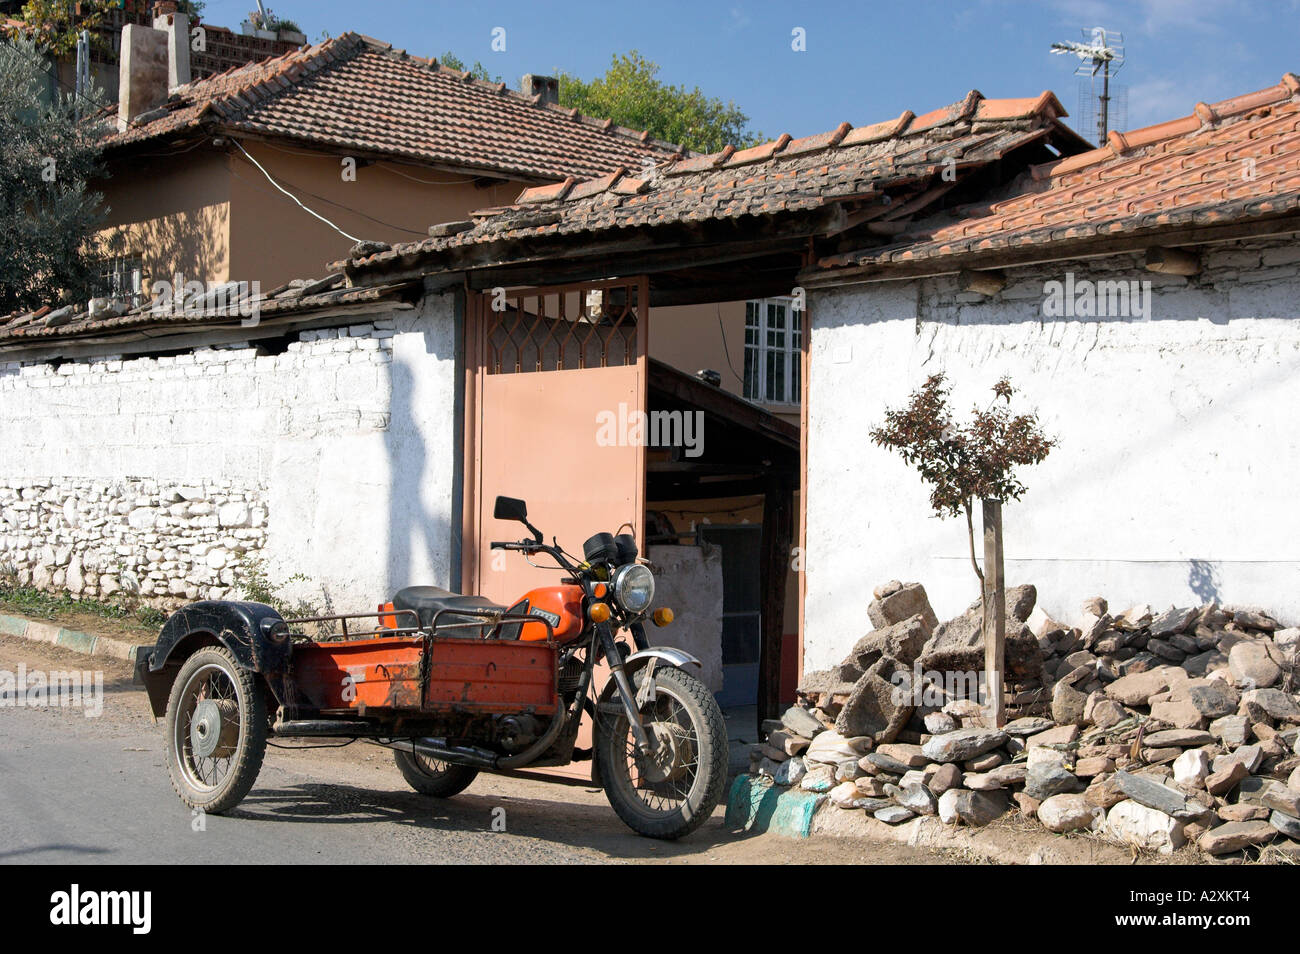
(121, 279)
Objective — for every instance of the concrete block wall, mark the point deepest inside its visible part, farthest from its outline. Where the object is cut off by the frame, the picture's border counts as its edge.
(1173, 482)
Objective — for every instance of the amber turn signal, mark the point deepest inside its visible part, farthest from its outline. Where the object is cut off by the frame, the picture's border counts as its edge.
(662, 616)
(599, 612)
(599, 591)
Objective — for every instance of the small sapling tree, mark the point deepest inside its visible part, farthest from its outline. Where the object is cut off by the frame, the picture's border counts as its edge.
(963, 462)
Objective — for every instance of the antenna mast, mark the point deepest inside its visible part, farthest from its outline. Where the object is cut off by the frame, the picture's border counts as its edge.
(1100, 52)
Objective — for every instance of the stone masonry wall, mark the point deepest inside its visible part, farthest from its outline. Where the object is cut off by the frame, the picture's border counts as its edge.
(98, 538)
(160, 475)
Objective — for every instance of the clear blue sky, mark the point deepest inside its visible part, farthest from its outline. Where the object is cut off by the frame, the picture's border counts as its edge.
(864, 62)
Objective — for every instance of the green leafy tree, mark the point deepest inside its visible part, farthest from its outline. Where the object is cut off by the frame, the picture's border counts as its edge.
(478, 70)
(47, 213)
(54, 24)
(631, 94)
(961, 462)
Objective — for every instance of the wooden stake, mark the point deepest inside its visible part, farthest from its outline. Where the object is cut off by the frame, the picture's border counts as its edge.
(995, 615)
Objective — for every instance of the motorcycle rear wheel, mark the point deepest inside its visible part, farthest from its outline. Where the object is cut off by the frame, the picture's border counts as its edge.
(674, 797)
(431, 776)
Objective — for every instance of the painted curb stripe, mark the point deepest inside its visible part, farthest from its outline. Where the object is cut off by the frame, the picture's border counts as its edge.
(86, 643)
(759, 807)
(77, 642)
(13, 625)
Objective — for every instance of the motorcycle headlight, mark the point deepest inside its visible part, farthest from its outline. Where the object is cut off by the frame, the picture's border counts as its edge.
(634, 587)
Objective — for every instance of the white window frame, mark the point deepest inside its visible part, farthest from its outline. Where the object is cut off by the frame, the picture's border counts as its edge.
(787, 351)
(121, 279)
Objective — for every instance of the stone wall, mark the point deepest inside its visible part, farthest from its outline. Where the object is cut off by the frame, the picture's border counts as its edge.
(105, 538)
(1175, 469)
(334, 459)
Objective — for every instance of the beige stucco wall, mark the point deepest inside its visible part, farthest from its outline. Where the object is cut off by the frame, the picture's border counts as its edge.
(273, 240)
(174, 211)
(214, 217)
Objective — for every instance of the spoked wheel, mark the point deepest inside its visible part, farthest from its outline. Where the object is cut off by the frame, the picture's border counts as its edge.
(216, 731)
(430, 776)
(672, 791)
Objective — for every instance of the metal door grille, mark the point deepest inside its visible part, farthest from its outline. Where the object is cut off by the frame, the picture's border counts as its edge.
(561, 328)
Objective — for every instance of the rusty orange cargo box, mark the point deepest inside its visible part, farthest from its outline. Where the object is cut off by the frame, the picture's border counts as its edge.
(491, 675)
(480, 675)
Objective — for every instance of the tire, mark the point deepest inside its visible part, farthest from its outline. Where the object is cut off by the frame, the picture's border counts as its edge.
(212, 674)
(688, 800)
(432, 777)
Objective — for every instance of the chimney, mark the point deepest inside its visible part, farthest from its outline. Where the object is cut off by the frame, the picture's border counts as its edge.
(548, 87)
(141, 73)
(177, 27)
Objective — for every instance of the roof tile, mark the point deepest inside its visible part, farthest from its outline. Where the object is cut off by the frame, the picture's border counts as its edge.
(352, 92)
(1230, 159)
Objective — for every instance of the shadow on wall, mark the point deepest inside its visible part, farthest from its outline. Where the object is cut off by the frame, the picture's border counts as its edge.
(192, 241)
(418, 536)
(1204, 580)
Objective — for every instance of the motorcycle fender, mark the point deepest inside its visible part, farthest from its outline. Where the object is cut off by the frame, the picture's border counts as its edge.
(246, 629)
(674, 658)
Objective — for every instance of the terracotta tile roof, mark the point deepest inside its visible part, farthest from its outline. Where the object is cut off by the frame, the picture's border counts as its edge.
(785, 175)
(1232, 160)
(46, 325)
(352, 92)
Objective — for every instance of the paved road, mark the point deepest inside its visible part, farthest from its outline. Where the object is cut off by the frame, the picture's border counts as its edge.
(81, 790)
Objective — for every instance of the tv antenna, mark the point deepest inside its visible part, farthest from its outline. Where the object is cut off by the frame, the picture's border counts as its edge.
(1100, 52)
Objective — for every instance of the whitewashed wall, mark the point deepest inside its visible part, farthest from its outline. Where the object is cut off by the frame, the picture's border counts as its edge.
(335, 460)
(1175, 478)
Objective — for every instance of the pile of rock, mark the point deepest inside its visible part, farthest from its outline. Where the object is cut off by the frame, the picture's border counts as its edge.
(1156, 729)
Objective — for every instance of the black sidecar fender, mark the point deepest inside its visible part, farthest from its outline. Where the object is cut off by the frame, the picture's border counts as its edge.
(254, 633)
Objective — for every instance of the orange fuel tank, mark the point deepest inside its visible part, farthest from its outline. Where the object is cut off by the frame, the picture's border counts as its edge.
(561, 606)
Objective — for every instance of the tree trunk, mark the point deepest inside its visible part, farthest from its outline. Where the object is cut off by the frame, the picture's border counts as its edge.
(995, 613)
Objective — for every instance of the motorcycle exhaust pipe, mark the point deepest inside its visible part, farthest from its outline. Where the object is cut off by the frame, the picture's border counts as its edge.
(482, 758)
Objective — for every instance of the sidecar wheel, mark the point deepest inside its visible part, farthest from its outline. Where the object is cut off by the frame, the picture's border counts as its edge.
(432, 777)
(671, 797)
(216, 731)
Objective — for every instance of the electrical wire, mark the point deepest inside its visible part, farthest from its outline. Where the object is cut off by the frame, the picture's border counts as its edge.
(727, 351)
(328, 201)
(296, 200)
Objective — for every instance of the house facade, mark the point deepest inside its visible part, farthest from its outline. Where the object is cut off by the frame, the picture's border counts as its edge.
(1140, 296)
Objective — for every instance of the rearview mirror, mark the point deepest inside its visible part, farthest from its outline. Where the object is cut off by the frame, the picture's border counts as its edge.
(508, 508)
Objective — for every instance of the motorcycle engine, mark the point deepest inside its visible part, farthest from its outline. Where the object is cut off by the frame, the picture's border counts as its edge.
(517, 732)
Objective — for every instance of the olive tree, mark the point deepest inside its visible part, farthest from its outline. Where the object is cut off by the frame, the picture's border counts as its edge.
(49, 151)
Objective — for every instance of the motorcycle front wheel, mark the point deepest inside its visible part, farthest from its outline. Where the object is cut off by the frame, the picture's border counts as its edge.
(673, 792)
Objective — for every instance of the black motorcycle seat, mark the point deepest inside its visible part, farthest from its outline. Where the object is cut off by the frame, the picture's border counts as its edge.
(428, 601)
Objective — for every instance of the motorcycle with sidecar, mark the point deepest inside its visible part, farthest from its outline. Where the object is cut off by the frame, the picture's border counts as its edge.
(455, 685)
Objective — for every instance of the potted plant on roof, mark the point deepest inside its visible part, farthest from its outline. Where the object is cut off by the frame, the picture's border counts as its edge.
(256, 26)
(268, 26)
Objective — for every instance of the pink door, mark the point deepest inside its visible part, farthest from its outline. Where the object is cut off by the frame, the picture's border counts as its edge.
(558, 377)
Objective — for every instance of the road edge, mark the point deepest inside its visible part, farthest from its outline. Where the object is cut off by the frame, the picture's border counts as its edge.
(88, 644)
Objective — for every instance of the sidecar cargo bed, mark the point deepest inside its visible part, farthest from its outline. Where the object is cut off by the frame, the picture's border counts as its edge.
(489, 676)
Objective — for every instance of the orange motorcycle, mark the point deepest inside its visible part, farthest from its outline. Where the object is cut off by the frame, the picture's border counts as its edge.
(455, 685)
